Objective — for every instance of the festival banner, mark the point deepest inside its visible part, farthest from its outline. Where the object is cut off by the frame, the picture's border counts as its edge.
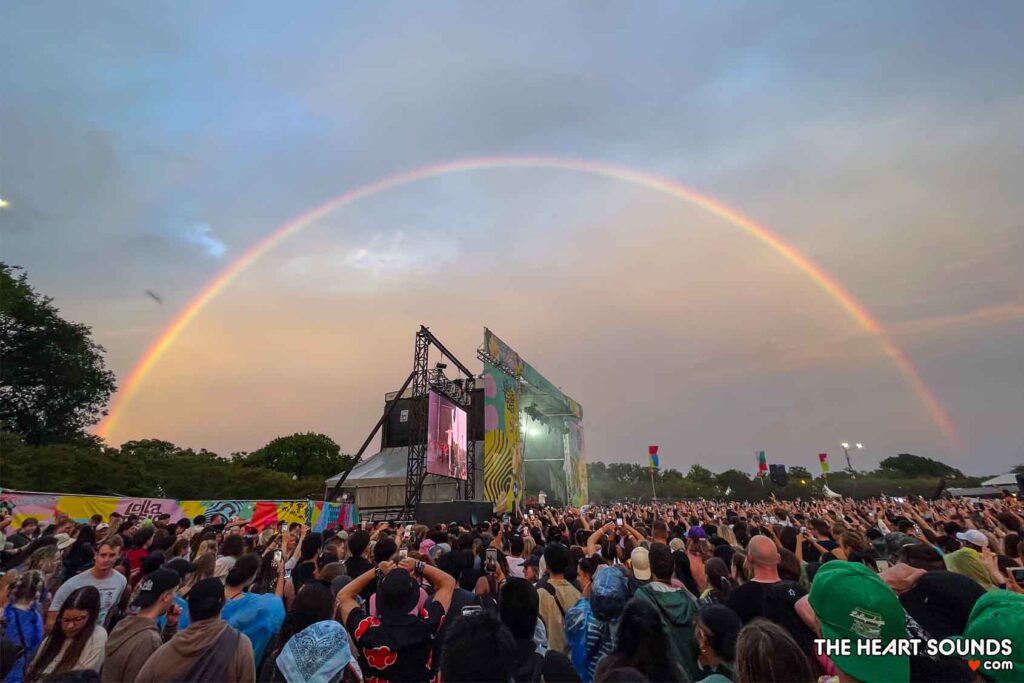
(823, 459)
(258, 513)
(762, 464)
(652, 454)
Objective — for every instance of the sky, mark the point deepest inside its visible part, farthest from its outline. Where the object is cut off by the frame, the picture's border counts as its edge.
(145, 146)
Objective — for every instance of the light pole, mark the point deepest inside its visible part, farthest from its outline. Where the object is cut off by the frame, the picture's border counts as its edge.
(846, 449)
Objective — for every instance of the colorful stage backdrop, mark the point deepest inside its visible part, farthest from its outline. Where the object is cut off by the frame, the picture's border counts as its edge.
(259, 513)
(516, 395)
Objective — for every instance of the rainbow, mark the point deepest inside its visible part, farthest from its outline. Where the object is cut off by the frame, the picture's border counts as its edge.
(822, 279)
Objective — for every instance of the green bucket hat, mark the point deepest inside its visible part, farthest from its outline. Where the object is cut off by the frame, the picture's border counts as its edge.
(999, 615)
(852, 603)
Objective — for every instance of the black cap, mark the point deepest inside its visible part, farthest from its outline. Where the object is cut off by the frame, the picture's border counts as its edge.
(180, 565)
(531, 561)
(155, 585)
(205, 595)
(397, 593)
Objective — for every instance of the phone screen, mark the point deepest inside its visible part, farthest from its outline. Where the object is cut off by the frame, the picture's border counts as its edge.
(492, 560)
(882, 565)
(278, 556)
(1018, 575)
(403, 553)
(618, 521)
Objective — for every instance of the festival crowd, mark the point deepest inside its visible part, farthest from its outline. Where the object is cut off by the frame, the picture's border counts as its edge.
(710, 591)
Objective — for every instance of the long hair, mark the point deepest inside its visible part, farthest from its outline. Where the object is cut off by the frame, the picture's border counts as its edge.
(766, 653)
(43, 559)
(313, 603)
(86, 599)
(719, 576)
(205, 566)
(684, 573)
(643, 645)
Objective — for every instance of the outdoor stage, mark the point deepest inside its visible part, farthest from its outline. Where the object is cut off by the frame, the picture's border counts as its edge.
(495, 437)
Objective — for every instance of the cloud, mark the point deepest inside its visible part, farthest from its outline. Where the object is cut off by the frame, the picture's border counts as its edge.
(201, 235)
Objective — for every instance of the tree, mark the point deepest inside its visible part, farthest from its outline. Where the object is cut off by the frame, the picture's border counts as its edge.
(799, 473)
(909, 465)
(53, 381)
(699, 474)
(302, 455)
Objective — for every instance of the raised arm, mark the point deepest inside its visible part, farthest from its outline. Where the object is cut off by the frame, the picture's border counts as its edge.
(443, 583)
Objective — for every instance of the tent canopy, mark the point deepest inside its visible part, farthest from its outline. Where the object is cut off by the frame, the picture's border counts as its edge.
(1008, 479)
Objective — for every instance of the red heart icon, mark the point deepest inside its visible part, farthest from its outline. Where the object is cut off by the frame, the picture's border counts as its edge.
(974, 664)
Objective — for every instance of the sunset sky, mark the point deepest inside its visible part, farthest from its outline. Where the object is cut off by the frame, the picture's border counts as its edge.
(148, 146)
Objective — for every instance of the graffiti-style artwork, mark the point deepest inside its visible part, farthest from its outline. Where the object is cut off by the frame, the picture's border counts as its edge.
(512, 388)
(258, 513)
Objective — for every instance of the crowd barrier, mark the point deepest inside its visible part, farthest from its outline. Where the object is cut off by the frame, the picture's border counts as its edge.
(317, 514)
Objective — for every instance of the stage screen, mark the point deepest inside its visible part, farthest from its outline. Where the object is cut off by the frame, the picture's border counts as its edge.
(446, 438)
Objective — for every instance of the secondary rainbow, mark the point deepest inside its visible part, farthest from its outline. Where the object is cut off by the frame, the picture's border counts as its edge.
(822, 279)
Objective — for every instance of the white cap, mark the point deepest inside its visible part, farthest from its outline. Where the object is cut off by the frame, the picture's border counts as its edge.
(974, 537)
(640, 562)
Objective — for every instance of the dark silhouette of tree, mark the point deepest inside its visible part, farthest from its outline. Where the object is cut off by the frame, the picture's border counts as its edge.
(53, 381)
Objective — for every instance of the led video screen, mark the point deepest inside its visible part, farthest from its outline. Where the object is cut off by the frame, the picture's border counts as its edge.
(446, 438)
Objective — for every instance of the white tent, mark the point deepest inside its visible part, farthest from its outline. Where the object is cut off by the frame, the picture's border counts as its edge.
(379, 480)
(1008, 479)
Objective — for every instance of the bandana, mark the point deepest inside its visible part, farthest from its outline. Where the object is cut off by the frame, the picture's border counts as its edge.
(316, 654)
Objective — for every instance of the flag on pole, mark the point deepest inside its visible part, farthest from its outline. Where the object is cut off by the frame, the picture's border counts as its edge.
(823, 459)
(652, 453)
(762, 464)
(728, 490)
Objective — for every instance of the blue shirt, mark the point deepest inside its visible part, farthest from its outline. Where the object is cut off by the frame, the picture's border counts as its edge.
(24, 627)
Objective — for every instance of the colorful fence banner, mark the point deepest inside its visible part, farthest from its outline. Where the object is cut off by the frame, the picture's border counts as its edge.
(258, 513)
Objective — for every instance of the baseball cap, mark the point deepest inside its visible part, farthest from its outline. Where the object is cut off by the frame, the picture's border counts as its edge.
(852, 602)
(993, 617)
(397, 593)
(696, 532)
(180, 565)
(155, 585)
(676, 544)
(531, 561)
(640, 561)
(974, 537)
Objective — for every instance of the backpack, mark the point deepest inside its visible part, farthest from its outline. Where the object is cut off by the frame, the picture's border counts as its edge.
(215, 663)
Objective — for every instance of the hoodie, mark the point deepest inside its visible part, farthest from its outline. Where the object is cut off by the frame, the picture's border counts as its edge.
(175, 657)
(130, 644)
(678, 611)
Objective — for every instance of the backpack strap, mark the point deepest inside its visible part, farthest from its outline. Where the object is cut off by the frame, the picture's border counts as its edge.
(550, 590)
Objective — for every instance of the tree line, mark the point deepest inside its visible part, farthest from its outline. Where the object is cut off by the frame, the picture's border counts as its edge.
(54, 385)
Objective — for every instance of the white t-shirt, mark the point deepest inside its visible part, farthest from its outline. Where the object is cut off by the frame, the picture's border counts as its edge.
(513, 567)
(223, 566)
(92, 653)
(110, 590)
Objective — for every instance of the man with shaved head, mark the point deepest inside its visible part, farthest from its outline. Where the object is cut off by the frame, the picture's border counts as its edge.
(763, 559)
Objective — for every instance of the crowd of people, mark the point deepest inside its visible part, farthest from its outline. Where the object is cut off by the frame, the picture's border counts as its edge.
(709, 591)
